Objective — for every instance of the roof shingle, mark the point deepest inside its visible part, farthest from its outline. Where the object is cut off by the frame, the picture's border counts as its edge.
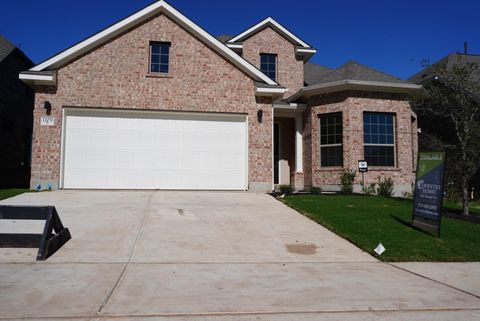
(451, 59)
(6, 47)
(355, 71)
(314, 72)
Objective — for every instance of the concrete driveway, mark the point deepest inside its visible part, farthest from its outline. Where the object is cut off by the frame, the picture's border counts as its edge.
(211, 256)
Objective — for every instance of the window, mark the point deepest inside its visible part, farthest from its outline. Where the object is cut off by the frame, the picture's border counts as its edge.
(379, 139)
(159, 57)
(268, 65)
(331, 140)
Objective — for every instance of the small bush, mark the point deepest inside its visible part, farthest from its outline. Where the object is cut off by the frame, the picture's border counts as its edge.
(451, 193)
(315, 190)
(346, 181)
(407, 195)
(370, 189)
(385, 187)
(285, 189)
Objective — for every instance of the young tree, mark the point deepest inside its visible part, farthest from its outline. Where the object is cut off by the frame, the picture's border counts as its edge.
(453, 92)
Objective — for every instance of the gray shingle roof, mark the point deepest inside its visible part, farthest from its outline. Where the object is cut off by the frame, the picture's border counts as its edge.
(455, 58)
(224, 38)
(314, 72)
(6, 47)
(355, 71)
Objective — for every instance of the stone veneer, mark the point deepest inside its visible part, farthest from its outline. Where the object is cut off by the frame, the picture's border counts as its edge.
(289, 68)
(115, 75)
(352, 105)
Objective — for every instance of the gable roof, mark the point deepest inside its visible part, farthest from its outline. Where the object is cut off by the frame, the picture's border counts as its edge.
(6, 47)
(270, 22)
(351, 76)
(153, 9)
(314, 72)
(451, 59)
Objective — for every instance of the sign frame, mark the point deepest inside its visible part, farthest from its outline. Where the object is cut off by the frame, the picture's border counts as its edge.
(427, 222)
(362, 169)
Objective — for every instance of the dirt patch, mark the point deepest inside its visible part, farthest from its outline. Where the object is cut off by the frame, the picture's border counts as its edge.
(180, 211)
(299, 248)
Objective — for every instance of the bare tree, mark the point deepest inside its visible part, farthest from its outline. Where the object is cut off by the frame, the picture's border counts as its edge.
(452, 92)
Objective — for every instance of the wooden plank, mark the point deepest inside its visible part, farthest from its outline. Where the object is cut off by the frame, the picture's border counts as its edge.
(47, 231)
(47, 242)
(55, 243)
(23, 212)
(19, 240)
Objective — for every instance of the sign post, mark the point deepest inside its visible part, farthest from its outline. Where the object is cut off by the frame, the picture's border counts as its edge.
(428, 195)
(363, 168)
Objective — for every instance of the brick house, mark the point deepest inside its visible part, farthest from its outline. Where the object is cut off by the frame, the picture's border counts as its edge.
(156, 102)
(16, 116)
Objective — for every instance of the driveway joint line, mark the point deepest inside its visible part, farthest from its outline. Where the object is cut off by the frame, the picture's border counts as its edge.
(192, 263)
(120, 277)
(433, 280)
(244, 313)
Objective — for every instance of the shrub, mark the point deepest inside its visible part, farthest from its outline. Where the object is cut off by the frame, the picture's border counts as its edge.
(315, 190)
(385, 187)
(451, 193)
(370, 189)
(346, 181)
(285, 189)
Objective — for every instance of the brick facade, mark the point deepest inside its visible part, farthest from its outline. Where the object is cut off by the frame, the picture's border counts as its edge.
(289, 68)
(353, 105)
(115, 75)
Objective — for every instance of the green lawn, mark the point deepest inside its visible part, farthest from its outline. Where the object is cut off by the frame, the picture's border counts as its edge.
(6, 193)
(368, 220)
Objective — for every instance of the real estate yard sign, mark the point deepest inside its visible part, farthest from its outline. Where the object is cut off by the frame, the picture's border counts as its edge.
(428, 195)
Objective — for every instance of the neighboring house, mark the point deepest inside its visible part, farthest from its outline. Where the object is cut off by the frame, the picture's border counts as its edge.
(438, 132)
(16, 114)
(156, 102)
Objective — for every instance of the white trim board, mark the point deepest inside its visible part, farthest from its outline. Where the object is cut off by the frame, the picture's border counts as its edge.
(349, 84)
(140, 16)
(270, 21)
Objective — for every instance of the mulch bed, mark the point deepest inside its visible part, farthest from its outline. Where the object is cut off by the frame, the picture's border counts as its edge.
(472, 218)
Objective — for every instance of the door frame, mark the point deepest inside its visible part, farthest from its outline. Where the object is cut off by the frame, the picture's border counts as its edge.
(279, 125)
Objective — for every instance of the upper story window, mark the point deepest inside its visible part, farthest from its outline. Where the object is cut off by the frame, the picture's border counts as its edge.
(159, 57)
(268, 65)
(379, 139)
(331, 140)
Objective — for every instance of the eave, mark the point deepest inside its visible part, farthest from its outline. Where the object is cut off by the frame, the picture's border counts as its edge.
(38, 78)
(262, 90)
(359, 85)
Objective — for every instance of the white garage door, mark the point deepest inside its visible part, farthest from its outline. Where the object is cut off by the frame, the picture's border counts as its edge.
(154, 150)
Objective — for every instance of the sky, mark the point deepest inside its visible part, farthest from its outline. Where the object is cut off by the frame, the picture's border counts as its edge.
(391, 36)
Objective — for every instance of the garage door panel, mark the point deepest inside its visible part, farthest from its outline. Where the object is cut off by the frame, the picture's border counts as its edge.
(127, 150)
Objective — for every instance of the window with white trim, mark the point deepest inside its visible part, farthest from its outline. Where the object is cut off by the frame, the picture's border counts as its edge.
(379, 139)
(331, 140)
(159, 57)
(268, 65)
